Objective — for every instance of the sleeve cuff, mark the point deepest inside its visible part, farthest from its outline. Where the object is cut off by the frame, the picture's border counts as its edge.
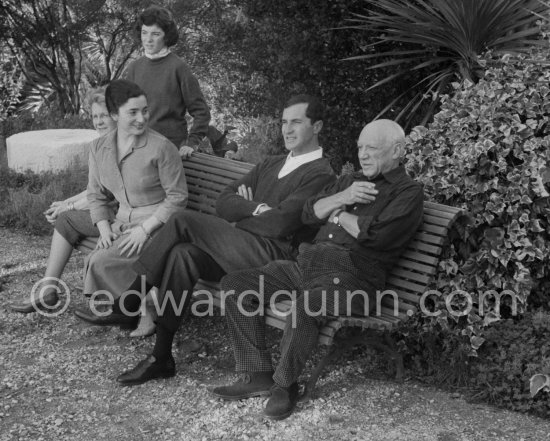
(364, 223)
(256, 212)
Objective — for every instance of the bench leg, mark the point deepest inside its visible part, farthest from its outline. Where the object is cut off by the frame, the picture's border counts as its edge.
(333, 352)
(387, 344)
(396, 356)
(383, 342)
(339, 346)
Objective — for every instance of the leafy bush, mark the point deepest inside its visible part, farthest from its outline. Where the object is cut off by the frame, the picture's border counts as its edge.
(25, 196)
(258, 138)
(515, 349)
(11, 83)
(443, 39)
(488, 152)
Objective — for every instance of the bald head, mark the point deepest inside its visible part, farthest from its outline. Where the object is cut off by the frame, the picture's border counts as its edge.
(380, 147)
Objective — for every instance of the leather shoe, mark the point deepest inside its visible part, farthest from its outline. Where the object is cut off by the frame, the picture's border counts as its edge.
(251, 384)
(148, 369)
(112, 319)
(282, 401)
(47, 303)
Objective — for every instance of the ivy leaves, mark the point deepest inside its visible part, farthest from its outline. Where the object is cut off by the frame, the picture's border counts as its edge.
(488, 151)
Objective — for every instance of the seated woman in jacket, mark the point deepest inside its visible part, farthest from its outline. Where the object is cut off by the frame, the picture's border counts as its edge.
(71, 220)
(141, 170)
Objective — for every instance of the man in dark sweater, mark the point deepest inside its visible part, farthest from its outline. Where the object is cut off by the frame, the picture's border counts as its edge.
(266, 207)
(367, 219)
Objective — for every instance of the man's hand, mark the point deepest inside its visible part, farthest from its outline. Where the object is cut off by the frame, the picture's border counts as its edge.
(133, 242)
(186, 151)
(245, 192)
(359, 192)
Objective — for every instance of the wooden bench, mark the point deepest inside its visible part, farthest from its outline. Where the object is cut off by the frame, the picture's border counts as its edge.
(208, 175)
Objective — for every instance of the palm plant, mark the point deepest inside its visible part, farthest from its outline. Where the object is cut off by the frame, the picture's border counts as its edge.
(443, 39)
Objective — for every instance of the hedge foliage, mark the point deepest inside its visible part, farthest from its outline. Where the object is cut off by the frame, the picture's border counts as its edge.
(514, 350)
(488, 152)
(261, 53)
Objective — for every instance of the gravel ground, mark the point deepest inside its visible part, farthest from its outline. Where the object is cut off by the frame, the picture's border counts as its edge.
(57, 383)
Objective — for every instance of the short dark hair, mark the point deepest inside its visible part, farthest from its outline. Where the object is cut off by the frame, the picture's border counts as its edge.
(162, 17)
(315, 109)
(118, 93)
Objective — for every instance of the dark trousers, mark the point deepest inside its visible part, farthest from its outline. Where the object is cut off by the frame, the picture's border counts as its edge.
(317, 292)
(192, 246)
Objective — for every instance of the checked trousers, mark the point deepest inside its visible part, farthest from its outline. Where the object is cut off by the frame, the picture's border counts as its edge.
(320, 283)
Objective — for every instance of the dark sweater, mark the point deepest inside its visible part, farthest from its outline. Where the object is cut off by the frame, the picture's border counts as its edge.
(285, 196)
(172, 90)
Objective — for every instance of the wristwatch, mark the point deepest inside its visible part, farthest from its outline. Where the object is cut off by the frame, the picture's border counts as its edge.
(336, 217)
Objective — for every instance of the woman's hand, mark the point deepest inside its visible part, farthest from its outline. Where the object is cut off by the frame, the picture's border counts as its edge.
(106, 240)
(134, 241)
(54, 210)
(106, 234)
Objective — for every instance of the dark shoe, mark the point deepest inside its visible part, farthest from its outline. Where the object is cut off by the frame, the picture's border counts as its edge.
(251, 384)
(282, 401)
(148, 369)
(47, 304)
(112, 319)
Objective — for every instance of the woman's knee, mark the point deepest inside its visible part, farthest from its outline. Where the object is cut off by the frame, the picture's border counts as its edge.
(62, 222)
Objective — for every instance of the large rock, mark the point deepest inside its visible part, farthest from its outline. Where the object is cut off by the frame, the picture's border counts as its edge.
(43, 150)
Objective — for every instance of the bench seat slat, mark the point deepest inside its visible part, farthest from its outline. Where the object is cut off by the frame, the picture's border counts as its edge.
(205, 192)
(439, 213)
(220, 180)
(430, 238)
(197, 185)
(212, 171)
(435, 220)
(424, 258)
(201, 206)
(434, 229)
(403, 295)
(217, 162)
(417, 281)
(423, 247)
(221, 163)
(441, 207)
(417, 267)
(402, 305)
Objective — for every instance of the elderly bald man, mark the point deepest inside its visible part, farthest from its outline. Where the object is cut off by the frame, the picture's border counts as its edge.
(367, 219)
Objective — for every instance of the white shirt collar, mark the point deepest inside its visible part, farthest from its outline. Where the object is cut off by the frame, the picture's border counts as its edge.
(293, 162)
